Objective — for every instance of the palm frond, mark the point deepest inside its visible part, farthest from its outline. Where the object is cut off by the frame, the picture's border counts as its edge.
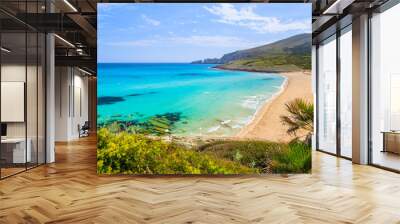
(300, 116)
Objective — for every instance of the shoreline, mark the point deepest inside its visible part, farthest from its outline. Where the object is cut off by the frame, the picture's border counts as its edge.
(218, 67)
(266, 123)
(282, 88)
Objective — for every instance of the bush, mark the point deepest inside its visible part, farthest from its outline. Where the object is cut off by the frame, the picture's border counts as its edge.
(267, 157)
(125, 153)
(254, 154)
(296, 158)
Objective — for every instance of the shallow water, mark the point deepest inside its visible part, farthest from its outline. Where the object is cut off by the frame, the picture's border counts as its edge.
(210, 101)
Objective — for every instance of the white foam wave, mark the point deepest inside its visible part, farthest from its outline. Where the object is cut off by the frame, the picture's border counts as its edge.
(237, 126)
(226, 122)
(248, 120)
(213, 129)
(252, 102)
(245, 120)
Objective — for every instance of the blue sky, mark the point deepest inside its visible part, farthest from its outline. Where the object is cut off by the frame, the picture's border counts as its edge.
(154, 32)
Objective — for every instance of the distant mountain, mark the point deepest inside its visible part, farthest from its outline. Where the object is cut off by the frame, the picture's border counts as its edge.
(290, 54)
(208, 61)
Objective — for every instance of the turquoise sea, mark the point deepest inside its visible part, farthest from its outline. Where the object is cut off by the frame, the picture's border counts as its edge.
(209, 101)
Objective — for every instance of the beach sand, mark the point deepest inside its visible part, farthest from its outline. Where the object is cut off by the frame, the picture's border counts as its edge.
(266, 124)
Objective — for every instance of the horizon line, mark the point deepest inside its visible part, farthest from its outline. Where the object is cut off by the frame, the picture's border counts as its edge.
(124, 62)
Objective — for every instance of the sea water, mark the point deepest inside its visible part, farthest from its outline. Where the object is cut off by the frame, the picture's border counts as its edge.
(211, 102)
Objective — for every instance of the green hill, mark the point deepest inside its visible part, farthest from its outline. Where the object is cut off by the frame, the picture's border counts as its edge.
(290, 54)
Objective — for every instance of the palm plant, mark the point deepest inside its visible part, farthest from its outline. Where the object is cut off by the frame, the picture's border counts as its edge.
(299, 119)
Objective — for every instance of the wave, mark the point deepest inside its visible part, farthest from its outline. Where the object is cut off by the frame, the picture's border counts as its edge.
(214, 128)
(226, 122)
(253, 102)
(245, 120)
(237, 126)
(269, 99)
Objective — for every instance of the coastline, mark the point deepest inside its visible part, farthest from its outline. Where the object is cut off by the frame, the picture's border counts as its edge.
(220, 67)
(266, 123)
(258, 113)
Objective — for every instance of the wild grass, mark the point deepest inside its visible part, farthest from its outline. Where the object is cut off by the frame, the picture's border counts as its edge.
(267, 157)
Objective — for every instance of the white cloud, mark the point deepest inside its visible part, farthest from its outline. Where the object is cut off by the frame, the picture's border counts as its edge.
(213, 41)
(186, 22)
(150, 21)
(194, 40)
(246, 17)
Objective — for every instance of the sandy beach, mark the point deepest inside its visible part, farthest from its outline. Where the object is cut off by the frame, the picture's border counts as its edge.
(267, 124)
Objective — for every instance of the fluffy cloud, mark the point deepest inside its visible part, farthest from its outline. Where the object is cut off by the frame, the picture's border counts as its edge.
(213, 41)
(150, 21)
(246, 17)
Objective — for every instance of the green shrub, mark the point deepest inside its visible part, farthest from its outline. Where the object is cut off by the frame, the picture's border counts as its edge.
(296, 158)
(135, 154)
(267, 157)
(254, 154)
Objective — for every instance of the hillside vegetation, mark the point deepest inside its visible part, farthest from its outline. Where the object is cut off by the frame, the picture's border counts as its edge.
(124, 153)
(290, 54)
(279, 63)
